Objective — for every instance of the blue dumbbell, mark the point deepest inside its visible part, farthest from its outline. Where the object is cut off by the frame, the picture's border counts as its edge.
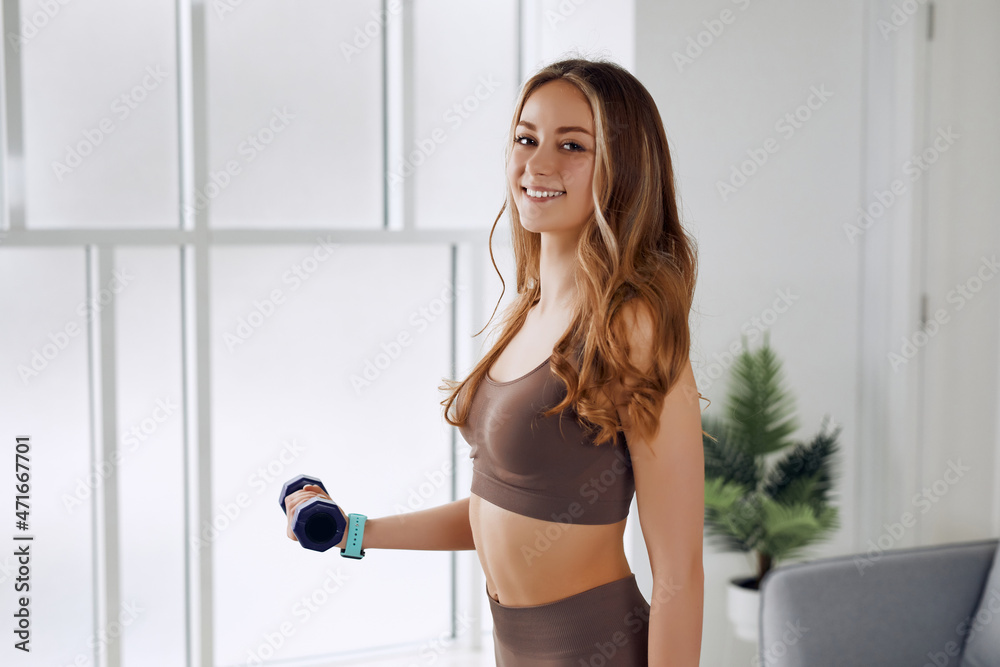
(317, 523)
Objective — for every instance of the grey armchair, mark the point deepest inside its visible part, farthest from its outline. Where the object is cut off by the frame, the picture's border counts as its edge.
(908, 607)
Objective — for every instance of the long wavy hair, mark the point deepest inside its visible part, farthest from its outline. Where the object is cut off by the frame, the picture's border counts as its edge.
(632, 247)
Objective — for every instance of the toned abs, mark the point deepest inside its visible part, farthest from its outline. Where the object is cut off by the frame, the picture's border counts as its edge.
(529, 561)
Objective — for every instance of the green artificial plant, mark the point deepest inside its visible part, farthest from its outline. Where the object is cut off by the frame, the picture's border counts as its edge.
(754, 503)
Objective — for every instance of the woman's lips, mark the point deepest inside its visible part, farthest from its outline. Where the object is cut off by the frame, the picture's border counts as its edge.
(540, 200)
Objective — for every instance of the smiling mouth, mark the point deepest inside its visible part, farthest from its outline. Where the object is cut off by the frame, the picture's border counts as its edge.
(540, 200)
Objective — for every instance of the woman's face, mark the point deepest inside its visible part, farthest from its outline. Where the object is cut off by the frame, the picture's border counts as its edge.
(553, 152)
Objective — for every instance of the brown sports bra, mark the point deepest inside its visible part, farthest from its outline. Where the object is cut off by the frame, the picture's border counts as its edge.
(544, 467)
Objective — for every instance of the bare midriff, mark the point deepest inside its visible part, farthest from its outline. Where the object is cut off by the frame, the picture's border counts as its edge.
(529, 561)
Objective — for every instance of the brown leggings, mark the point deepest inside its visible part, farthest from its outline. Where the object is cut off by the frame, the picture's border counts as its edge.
(605, 626)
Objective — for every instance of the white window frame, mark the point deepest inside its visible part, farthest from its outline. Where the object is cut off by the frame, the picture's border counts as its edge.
(194, 239)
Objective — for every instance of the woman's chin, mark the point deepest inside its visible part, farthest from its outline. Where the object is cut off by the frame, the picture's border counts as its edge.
(529, 225)
(533, 222)
(535, 226)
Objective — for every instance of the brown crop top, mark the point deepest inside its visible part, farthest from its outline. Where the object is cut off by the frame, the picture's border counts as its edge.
(537, 466)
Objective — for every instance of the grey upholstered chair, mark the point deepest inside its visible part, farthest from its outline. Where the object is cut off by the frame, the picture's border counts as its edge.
(908, 607)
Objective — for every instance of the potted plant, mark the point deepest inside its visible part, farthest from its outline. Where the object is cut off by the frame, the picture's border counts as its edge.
(755, 504)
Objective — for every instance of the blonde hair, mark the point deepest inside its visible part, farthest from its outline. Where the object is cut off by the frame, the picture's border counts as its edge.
(632, 247)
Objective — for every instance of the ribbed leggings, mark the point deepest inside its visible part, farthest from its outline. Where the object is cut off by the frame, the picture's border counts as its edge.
(605, 626)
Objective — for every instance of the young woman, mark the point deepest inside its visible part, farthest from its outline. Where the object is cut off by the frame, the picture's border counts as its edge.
(588, 396)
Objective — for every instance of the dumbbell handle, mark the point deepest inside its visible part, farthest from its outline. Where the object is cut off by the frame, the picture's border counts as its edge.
(317, 523)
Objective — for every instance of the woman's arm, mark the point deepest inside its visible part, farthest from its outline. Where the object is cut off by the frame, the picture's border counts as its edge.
(669, 472)
(442, 528)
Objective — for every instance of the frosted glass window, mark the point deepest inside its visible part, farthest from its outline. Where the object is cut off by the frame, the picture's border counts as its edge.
(324, 362)
(44, 394)
(462, 108)
(151, 456)
(295, 114)
(100, 113)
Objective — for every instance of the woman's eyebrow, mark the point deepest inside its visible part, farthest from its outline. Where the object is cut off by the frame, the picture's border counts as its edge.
(559, 130)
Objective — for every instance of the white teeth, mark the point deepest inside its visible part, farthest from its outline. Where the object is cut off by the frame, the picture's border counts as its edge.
(537, 193)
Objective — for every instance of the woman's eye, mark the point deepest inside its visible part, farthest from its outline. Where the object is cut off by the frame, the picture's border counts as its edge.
(574, 146)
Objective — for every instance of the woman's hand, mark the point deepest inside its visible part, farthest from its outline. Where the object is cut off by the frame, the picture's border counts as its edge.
(296, 498)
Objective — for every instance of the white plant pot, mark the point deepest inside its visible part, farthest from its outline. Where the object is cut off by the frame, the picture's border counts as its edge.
(743, 605)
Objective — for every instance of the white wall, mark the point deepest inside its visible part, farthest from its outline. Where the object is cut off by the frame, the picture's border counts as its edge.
(781, 231)
(785, 228)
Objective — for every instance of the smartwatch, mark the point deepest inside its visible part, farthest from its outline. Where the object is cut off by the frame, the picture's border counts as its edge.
(355, 533)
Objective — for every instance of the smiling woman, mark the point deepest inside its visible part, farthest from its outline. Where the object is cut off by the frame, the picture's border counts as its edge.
(605, 279)
(587, 399)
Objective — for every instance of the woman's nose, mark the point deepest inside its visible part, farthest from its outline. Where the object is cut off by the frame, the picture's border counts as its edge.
(541, 161)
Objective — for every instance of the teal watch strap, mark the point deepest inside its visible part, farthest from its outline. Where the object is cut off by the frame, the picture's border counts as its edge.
(355, 534)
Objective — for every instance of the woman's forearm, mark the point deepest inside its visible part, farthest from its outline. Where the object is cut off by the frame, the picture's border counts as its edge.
(442, 528)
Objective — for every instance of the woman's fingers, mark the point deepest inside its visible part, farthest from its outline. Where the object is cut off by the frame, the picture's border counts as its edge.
(317, 490)
(302, 495)
(294, 499)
